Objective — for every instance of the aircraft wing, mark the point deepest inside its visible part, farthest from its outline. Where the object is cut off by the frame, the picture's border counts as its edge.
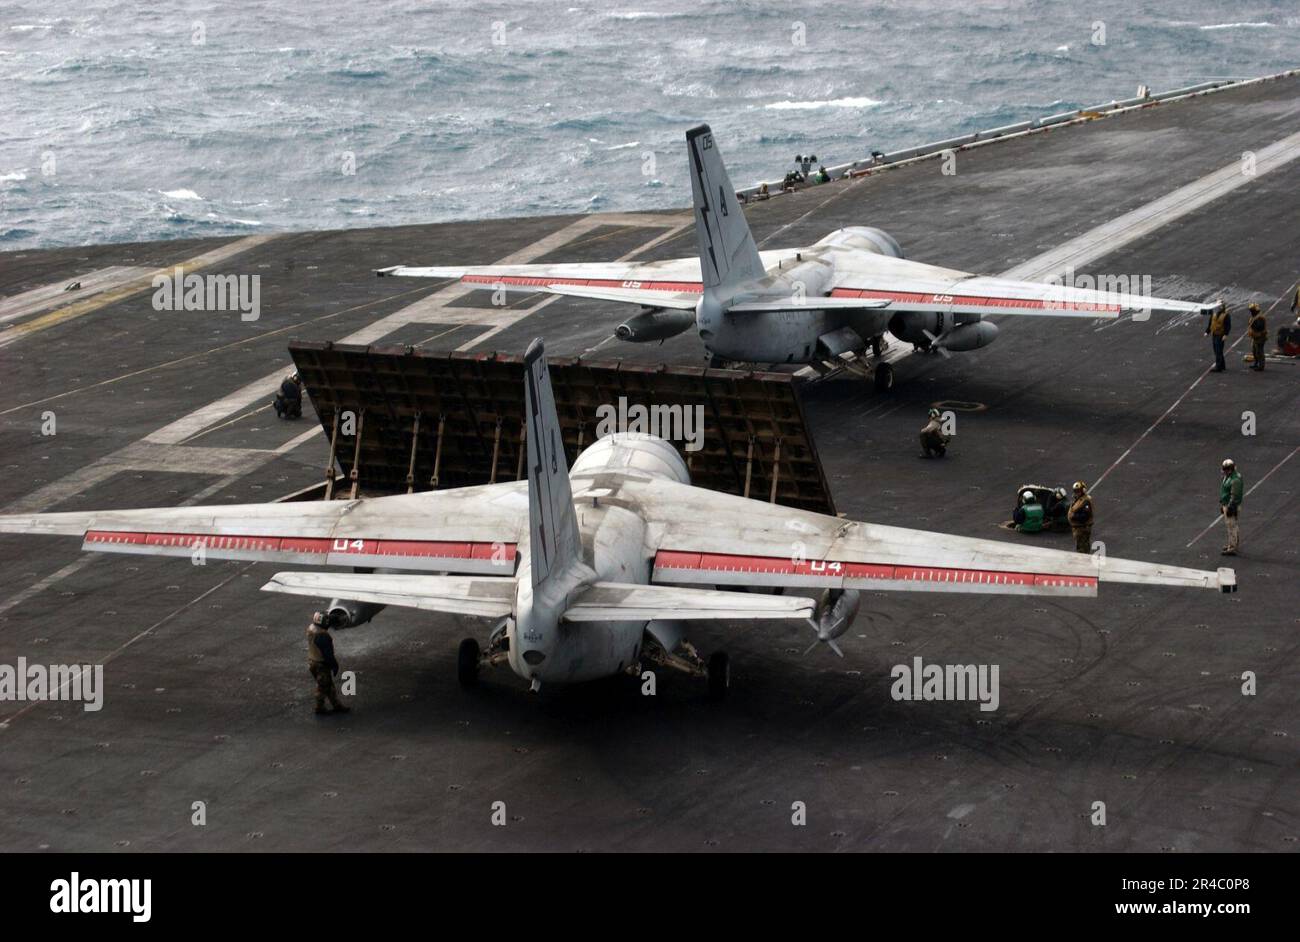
(485, 596)
(669, 283)
(468, 530)
(915, 286)
(671, 277)
(704, 537)
(650, 297)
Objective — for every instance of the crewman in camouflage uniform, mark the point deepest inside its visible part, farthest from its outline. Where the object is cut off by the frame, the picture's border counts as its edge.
(1080, 517)
(933, 442)
(1257, 329)
(1230, 495)
(322, 663)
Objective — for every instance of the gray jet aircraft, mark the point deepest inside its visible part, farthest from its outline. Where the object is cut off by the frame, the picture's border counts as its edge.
(596, 570)
(825, 305)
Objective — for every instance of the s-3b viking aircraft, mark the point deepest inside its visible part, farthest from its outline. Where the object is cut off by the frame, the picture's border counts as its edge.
(823, 305)
(592, 571)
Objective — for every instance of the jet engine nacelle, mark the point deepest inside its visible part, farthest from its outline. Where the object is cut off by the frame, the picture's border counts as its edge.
(927, 328)
(835, 612)
(917, 327)
(349, 614)
(969, 336)
(655, 324)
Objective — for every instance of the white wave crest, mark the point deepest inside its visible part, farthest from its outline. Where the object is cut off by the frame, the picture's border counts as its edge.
(828, 103)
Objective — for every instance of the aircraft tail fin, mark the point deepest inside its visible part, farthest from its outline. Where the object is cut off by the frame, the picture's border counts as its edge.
(728, 255)
(552, 522)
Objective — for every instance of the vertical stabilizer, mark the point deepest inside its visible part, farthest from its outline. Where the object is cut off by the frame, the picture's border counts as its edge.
(728, 255)
(552, 523)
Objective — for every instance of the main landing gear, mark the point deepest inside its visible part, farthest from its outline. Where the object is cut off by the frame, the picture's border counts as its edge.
(467, 658)
(716, 671)
(471, 659)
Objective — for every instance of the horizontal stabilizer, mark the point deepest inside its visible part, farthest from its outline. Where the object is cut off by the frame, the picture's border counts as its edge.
(615, 601)
(808, 304)
(488, 597)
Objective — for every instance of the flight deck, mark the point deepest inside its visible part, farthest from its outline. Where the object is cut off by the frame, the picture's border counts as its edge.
(1134, 699)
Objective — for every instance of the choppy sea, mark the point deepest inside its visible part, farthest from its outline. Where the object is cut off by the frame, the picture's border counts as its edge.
(120, 122)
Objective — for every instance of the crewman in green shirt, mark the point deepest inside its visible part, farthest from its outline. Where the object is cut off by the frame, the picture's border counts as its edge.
(1230, 494)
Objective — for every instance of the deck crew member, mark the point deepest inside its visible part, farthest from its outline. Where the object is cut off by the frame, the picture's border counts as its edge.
(1028, 515)
(322, 663)
(288, 401)
(1217, 330)
(1080, 517)
(1257, 329)
(1230, 494)
(933, 442)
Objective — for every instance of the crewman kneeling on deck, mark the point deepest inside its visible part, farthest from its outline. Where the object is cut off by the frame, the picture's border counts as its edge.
(1028, 515)
(1257, 329)
(288, 401)
(1217, 330)
(323, 665)
(1230, 495)
(1080, 517)
(934, 443)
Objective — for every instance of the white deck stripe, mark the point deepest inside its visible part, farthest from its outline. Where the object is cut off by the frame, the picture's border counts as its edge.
(1144, 220)
(38, 300)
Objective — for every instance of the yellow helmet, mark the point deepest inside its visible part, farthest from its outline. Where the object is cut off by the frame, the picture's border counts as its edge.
(1253, 308)
(1080, 486)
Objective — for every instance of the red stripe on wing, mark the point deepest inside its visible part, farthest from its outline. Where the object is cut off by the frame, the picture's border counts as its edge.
(722, 562)
(534, 281)
(971, 300)
(410, 549)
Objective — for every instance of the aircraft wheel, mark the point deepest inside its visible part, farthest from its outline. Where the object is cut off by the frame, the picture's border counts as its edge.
(467, 662)
(884, 377)
(719, 675)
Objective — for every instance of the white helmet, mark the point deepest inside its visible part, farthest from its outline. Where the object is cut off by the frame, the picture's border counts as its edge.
(1027, 496)
(1228, 464)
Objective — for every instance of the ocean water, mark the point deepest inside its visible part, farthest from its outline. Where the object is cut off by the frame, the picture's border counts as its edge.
(119, 123)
